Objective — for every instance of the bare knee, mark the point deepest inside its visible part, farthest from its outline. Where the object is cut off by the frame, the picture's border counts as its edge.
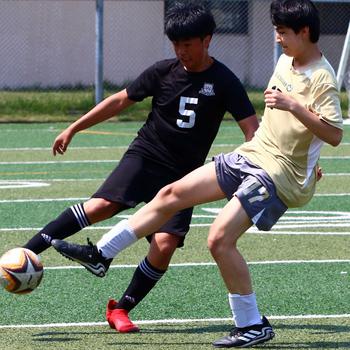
(168, 196)
(98, 209)
(215, 244)
(161, 250)
(218, 242)
(167, 192)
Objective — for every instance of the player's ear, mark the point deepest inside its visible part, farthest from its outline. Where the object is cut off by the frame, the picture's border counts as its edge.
(206, 40)
(305, 31)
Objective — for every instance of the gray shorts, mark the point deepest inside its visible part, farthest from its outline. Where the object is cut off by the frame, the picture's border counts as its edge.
(237, 176)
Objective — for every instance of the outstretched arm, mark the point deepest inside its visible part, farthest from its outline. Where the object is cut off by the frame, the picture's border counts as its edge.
(106, 109)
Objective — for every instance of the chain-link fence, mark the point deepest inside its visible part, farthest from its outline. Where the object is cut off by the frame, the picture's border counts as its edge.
(52, 43)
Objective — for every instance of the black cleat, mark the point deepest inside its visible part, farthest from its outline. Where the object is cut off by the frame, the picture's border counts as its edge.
(247, 336)
(86, 255)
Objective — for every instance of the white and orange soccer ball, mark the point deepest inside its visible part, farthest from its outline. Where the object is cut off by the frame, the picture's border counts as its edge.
(20, 271)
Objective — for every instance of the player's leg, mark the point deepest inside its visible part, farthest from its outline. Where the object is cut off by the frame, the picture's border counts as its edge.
(250, 328)
(149, 271)
(229, 225)
(200, 186)
(106, 202)
(72, 220)
(254, 201)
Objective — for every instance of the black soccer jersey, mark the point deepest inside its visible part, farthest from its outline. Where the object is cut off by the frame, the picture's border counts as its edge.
(187, 109)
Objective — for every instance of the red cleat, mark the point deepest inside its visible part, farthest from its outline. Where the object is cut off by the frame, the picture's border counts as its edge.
(118, 319)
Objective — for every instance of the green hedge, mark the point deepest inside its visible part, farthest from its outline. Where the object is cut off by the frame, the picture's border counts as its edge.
(68, 105)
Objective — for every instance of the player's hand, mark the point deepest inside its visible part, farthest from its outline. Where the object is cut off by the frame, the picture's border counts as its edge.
(274, 98)
(319, 173)
(61, 142)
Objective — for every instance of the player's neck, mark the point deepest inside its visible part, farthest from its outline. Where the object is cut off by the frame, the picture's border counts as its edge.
(207, 63)
(307, 57)
(201, 66)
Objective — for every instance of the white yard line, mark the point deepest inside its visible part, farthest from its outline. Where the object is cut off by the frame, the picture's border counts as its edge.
(250, 231)
(194, 264)
(55, 180)
(298, 221)
(50, 149)
(92, 161)
(68, 199)
(112, 147)
(173, 321)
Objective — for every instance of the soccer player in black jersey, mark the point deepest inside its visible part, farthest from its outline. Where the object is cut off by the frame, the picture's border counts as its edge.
(190, 95)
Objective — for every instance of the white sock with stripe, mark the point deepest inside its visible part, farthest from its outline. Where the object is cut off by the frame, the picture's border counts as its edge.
(117, 239)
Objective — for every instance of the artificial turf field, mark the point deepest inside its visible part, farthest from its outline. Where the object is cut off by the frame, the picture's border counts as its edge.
(300, 270)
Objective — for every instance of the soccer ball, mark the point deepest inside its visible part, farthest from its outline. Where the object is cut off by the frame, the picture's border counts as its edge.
(20, 271)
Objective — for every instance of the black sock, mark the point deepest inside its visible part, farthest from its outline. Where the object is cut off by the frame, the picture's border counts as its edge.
(144, 279)
(72, 220)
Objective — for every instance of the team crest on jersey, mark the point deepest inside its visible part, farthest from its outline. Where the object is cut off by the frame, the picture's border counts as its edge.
(207, 89)
(287, 85)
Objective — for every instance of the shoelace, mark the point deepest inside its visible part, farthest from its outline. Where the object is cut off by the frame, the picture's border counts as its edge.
(94, 251)
(235, 332)
(89, 242)
(91, 247)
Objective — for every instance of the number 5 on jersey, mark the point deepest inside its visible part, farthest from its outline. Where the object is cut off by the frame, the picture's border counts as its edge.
(187, 112)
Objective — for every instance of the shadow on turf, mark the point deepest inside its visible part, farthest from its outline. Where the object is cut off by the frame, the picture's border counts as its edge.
(74, 336)
(53, 336)
(313, 329)
(329, 328)
(305, 345)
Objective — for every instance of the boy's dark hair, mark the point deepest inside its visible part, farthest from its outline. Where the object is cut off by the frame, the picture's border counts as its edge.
(187, 20)
(296, 14)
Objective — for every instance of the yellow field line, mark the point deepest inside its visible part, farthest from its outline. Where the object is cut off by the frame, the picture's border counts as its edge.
(26, 173)
(106, 133)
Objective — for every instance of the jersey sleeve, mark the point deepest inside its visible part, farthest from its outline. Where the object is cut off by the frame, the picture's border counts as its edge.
(237, 100)
(143, 86)
(326, 101)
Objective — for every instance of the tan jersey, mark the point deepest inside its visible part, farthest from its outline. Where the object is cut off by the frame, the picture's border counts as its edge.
(282, 145)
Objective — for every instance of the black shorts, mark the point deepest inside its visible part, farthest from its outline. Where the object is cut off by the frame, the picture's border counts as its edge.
(136, 180)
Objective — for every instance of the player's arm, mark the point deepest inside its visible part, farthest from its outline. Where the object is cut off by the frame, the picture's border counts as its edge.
(106, 109)
(324, 131)
(248, 126)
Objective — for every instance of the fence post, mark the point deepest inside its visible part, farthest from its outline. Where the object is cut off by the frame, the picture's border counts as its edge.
(99, 52)
(343, 59)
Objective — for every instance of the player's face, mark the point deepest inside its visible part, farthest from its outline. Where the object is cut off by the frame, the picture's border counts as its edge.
(292, 44)
(193, 53)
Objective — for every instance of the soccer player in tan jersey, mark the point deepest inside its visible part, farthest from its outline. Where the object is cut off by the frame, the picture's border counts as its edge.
(275, 171)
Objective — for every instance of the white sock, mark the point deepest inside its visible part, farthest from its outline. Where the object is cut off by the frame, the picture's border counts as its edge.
(117, 239)
(244, 310)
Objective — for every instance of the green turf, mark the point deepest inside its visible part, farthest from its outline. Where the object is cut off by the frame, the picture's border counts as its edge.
(196, 292)
(256, 247)
(290, 335)
(283, 289)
